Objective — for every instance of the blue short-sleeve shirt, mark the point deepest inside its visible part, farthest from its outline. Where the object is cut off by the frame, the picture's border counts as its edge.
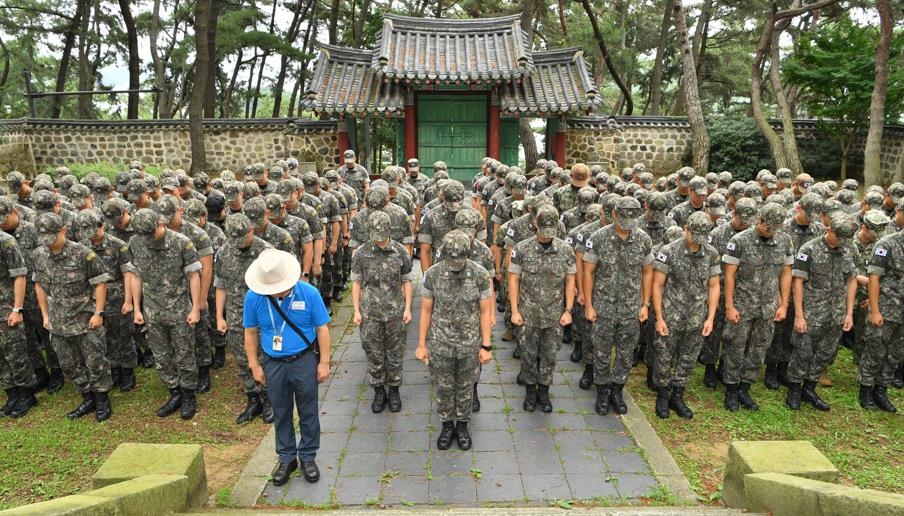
(303, 306)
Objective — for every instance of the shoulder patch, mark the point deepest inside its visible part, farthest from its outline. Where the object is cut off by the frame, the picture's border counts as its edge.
(90, 256)
(662, 257)
(514, 253)
(881, 251)
(580, 237)
(709, 239)
(9, 243)
(124, 248)
(568, 240)
(510, 232)
(730, 246)
(588, 244)
(189, 245)
(802, 257)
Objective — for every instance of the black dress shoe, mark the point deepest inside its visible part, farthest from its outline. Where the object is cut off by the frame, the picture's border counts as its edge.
(283, 472)
(310, 470)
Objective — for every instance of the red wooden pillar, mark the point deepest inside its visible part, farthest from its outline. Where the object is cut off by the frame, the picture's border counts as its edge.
(495, 132)
(558, 151)
(343, 139)
(410, 132)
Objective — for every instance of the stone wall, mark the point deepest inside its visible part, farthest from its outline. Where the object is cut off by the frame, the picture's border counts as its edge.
(31, 145)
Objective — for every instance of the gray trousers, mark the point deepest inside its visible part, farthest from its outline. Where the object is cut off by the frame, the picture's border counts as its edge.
(744, 347)
(292, 385)
(882, 352)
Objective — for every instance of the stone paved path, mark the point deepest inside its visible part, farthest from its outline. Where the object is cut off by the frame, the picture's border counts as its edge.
(518, 457)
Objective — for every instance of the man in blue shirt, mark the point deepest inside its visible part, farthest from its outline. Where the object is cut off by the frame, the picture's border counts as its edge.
(277, 305)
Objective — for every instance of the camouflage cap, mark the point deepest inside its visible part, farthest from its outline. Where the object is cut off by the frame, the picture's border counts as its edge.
(725, 177)
(167, 207)
(639, 168)
(610, 201)
(640, 194)
(87, 222)
(761, 173)
(274, 203)
(517, 183)
(712, 180)
(672, 234)
(737, 189)
(627, 174)
(586, 195)
(48, 225)
(194, 210)
(113, 209)
(873, 198)
(896, 192)
(135, 189)
(746, 210)
(78, 192)
(200, 181)
(389, 175)
(170, 184)
(379, 183)
(325, 183)
(469, 221)
(310, 180)
(685, 174)
(844, 225)
(778, 199)
(136, 164)
(699, 224)
(227, 175)
(236, 229)
(628, 213)
(258, 170)
(501, 171)
(647, 178)
(89, 178)
(332, 176)
(286, 188)
(658, 201)
(440, 174)
(44, 200)
(876, 220)
(251, 189)
(752, 190)
(832, 207)
(152, 183)
(811, 203)
(255, 209)
(67, 181)
(772, 215)
(768, 180)
(15, 179)
(831, 185)
(414, 163)
(547, 220)
(699, 185)
(534, 203)
(850, 184)
(292, 163)
(453, 192)
(595, 170)
(348, 155)
(379, 226)
(822, 190)
(440, 165)
(376, 198)
(804, 182)
(41, 184)
(456, 249)
(276, 172)
(846, 197)
(715, 204)
(102, 187)
(232, 190)
(7, 205)
(517, 209)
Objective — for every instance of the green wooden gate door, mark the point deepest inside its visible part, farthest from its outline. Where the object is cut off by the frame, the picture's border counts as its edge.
(509, 141)
(452, 128)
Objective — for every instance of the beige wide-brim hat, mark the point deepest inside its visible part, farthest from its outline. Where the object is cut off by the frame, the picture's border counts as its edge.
(273, 271)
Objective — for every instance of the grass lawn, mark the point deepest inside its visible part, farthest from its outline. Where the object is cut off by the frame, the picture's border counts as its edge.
(47, 456)
(867, 447)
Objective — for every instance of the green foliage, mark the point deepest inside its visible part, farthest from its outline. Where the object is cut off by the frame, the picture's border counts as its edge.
(106, 169)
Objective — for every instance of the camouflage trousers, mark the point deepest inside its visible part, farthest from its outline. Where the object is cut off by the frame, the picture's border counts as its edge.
(712, 343)
(326, 275)
(38, 338)
(384, 345)
(174, 352)
(538, 353)
(120, 348)
(813, 352)
(235, 339)
(202, 340)
(883, 351)
(647, 338)
(744, 347)
(676, 354)
(780, 348)
(346, 260)
(454, 375)
(621, 335)
(83, 359)
(15, 367)
(216, 338)
(860, 316)
(580, 328)
(587, 343)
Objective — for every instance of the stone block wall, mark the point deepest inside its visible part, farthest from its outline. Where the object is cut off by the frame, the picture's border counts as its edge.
(230, 144)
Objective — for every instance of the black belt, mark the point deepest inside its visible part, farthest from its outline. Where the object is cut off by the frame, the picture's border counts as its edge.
(290, 358)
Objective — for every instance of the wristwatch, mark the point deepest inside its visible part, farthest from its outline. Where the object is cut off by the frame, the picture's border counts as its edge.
(486, 348)
(100, 314)
(18, 309)
(305, 274)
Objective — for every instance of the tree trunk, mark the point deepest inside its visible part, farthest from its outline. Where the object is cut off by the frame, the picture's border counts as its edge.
(789, 139)
(134, 59)
(163, 100)
(699, 136)
(4, 76)
(300, 12)
(203, 60)
(655, 107)
(226, 100)
(334, 22)
(293, 99)
(701, 32)
(210, 95)
(872, 169)
(359, 23)
(598, 36)
(525, 133)
(85, 79)
(66, 56)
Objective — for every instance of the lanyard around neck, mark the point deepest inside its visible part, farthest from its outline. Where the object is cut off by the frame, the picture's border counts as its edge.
(273, 321)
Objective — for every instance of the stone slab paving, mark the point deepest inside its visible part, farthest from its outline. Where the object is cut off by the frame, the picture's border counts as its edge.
(518, 458)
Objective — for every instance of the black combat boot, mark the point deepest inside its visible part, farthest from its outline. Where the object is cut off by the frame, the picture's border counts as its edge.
(898, 381)
(475, 401)
(744, 397)
(12, 396)
(530, 398)
(650, 384)
(337, 293)
(203, 379)
(380, 400)
(543, 398)
(809, 395)
(219, 357)
(616, 398)
(42, 378)
(116, 376)
(880, 394)
(731, 397)
(577, 353)
(189, 404)
(462, 435)
(602, 399)
(516, 354)
(147, 359)
(866, 398)
(87, 405)
(55, 381)
(567, 334)
(676, 403)
(103, 411)
(172, 404)
(520, 378)
(771, 379)
(26, 399)
(395, 399)
(267, 415)
(783, 373)
(252, 409)
(587, 378)
(792, 400)
(710, 378)
(662, 402)
(444, 441)
(639, 351)
(128, 379)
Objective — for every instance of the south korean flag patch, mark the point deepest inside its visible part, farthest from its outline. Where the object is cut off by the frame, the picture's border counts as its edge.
(568, 240)
(730, 246)
(881, 251)
(802, 257)
(661, 258)
(510, 232)
(514, 253)
(588, 244)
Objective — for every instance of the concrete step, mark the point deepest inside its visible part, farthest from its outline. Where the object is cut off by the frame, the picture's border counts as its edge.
(520, 511)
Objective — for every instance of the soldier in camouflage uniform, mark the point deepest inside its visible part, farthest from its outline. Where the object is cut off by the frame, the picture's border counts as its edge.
(378, 199)
(454, 334)
(241, 248)
(825, 287)
(16, 374)
(256, 211)
(883, 338)
(195, 212)
(566, 197)
(415, 178)
(355, 203)
(441, 220)
(261, 176)
(541, 278)
(354, 174)
(617, 274)
(381, 297)
(696, 200)
(289, 191)
(20, 188)
(115, 260)
(328, 208)
(758, 281)
(685, 296)
(68, 276)
(681, 191)
(297, 228)
(170, 280)
(581, 330)
(872, 227)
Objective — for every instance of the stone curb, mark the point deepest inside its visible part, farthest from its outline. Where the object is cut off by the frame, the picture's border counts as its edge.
(250, 485)
(504, 511)
(664, 467)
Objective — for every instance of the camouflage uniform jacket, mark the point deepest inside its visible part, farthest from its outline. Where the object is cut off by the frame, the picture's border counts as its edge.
(316, 204)
(479, 254)
(27, 237)
(619, 263)
(687, 273)
(681, 212)
(565, 198)
(523, 228)
(341, 200)
(803, 234)
(481, 183)
(216, 236)
(429, 195)
(535, 185)
(656, 228)
(863, 253)
(502, 213)
(229, 275)
(278, 238)
(115, 259)
(893, 227)
(163, 266)
(440, 221)
(357, 178)
(68, 278)
(582, 233)
(455, 322)
(718, 238)
(825, 272)
(675, 198)
(888, 262)
(123, 234)
(542, 272)
(351, 197)
(404, 200)
(498, 196)
(309, 214)
(198, 237)
(572, 218)
(330, 213)
(13, 267)
(400, 227)
(419, 184)
(381, 273)
(760, 264)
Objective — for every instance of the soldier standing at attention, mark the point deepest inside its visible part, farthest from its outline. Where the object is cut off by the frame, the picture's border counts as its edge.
(354, 174)
(825, 287)
(872, 226)
(758, 280)
(566, 197)
(16, 374)
(68, 277)
(541, 278)
(685, 296)
(454, 334)
(170, 287)
(618, 272)
(381, 296)
(441, 221)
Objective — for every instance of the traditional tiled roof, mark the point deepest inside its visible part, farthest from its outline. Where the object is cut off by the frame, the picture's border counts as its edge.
(288, 125)
(482, 50)
(345, 82)
(560, 83)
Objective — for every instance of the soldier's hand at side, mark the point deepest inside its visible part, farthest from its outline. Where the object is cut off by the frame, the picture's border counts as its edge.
(707, 327)
(95, 322)
(258, 373)
(484, 356)
(138, 318)
(780, 314)
(323, 372)
(875, 318)
(800, 324)
(193, 317)
(222, 327)
(644, 314)
(498, 276)
(421, 354)
(14, 319)
(517, 320)
(333, 248)
(589, 313)
(565, 320)
(662, 328)
(581, 298)
(864, 304)
(315, 270)
(47, 323)
(127, 307)
(848, 322)
(862, 280)
(357, 318)
(732, 315)
(406, 317)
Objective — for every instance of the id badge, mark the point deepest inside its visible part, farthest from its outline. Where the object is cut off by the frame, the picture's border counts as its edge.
(277, 343)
